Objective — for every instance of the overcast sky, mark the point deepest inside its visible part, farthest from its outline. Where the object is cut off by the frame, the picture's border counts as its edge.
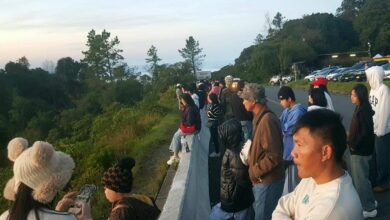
(48, 30)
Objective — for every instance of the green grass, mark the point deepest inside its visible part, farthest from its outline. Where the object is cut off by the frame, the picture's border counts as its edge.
(334, 87)
(137, 131)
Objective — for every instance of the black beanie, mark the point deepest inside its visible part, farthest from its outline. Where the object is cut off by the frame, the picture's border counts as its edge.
(119, 177)
(286, 92)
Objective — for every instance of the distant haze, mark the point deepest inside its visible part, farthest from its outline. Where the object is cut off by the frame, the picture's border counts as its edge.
(45, 30)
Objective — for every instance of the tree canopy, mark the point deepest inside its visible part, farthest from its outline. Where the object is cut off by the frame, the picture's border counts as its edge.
(102, 56)
(192, 54)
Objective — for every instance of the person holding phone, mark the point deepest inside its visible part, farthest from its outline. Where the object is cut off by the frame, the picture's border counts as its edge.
(118, 182)
(40, 173)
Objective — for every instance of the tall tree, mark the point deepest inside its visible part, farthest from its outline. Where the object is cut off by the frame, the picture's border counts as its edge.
(24, 62)
(192, 54)
(153, 60)
(278, 21)
(373, 25)
(102, 55)
(259, 39)
(349, 9)
(275, 25)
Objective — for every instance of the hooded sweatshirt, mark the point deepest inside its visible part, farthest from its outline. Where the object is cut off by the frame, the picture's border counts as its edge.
(288, 119)
(379, 100)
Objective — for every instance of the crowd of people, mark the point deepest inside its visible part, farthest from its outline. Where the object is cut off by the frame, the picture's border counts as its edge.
(301, 165)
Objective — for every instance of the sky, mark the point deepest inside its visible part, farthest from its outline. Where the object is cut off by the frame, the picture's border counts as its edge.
(45, 31)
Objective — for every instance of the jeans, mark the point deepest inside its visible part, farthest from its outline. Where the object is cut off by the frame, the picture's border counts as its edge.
(292, 179)
(214, 137)
(175, 143)
(359, 169)
(247, 129)
(382, 150)
(266, 199)
(217, 213)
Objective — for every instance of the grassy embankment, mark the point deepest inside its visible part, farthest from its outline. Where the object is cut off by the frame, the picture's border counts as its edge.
(334, 87)
(143, 132)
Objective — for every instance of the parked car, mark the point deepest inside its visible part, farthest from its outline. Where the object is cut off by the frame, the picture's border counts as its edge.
(326, 71)
(287, 79)
(275, 80)
(348, 74)
(311, 75)
(360, 74)
(386, 67)
(332, 76)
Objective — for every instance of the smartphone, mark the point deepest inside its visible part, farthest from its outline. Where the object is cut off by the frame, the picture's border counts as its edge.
(85, 193)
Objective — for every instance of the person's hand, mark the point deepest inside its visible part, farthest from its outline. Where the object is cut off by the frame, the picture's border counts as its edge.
(82, 211)
(66, 202)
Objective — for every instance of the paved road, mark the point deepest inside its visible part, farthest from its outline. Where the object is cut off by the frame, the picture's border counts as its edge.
(342, 105)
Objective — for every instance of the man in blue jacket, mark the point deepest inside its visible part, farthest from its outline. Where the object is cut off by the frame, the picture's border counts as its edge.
(292, 113)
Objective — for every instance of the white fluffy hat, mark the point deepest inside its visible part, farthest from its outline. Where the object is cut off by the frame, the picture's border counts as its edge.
(40, 167)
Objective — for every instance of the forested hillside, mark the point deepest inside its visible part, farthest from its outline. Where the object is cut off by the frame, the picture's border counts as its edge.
(361, 26)
(97, 109)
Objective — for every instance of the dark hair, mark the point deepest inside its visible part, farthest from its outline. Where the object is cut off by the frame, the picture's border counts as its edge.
(286, 92)
(188, 99)
(328, 126)
(318, 97)
(192, 88)
(361, 93)
(24, 203)
(216, 83)
(322, 87)
(214, 98)
(230, 134)
(241, 84)
(202, 86)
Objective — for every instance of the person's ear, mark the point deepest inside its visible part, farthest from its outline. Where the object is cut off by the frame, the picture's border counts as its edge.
(327, 152)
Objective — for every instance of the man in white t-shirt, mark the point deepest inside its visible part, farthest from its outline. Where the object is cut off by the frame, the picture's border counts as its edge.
(326, 190)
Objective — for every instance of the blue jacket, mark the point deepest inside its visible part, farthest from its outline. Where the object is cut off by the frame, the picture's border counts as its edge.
(288, 119)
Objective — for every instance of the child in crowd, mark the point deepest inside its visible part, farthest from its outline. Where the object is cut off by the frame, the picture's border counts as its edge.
(316, 99)
(321, 83)
(236, 187)
(214, 114)
(118, 182)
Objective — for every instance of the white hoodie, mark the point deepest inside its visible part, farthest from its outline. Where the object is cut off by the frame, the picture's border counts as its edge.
(379, 100)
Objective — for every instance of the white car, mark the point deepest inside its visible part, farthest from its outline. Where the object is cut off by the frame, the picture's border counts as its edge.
(312, 75)
(386, 67)
(274, 80)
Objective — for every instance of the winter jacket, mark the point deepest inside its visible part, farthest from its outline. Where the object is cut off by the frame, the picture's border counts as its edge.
(191, 116)
(379, 100)
(361, 133)
(265, 155)
(236, 187)
(136, 207)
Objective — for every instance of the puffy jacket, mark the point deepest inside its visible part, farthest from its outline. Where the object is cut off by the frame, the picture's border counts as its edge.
(236, 187)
